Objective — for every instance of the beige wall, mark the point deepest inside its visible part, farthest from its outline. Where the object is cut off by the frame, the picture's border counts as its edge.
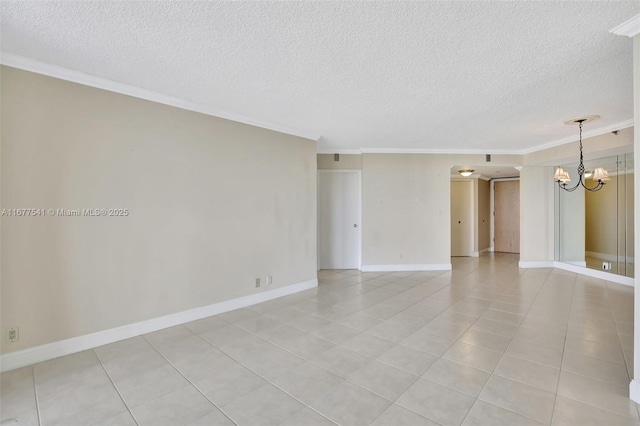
(536, 214)
(483, 217)
(347, 162)
(405, 210)
(213, 204)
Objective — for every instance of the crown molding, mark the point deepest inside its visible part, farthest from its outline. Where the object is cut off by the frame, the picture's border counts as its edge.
(62, 73)
(437, 151)
(629, 28)
(585, 135)
(74, 76)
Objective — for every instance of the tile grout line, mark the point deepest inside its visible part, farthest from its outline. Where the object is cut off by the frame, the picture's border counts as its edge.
(115, 388)
(187, 379)
(501, 357)
(555, 396)
(35, 392)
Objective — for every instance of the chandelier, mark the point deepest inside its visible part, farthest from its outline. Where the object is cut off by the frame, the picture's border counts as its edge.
(599, 175)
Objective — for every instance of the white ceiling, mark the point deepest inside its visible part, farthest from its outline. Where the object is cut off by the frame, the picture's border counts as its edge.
(445, 76)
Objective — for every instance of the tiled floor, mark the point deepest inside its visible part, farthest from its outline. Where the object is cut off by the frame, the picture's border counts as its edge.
(485, 344)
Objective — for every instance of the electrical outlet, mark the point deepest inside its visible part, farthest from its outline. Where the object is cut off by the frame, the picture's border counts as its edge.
(257, 282)
(269, 279)
(606, 266)
(13, 334)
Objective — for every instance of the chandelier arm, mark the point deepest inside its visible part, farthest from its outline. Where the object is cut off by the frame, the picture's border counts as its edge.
(570, 189)
(598, 187)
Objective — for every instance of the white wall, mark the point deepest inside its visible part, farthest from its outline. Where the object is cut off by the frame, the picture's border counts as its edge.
(213, 204)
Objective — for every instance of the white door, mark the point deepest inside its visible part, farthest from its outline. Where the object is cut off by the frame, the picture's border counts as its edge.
(461, 218)
(339, 232)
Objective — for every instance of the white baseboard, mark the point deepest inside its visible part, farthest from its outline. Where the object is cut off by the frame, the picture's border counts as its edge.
(634, 391)
(540, 264)
(407, 267)
(479, 252)
(607, 276)
(13, 360)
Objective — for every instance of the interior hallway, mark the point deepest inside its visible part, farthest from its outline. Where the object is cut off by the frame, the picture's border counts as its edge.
(487, 343)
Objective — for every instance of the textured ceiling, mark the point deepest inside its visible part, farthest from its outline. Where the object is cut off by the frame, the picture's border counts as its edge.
(490, 76)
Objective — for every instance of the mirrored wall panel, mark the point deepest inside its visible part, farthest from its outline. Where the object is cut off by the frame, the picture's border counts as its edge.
(595, 229)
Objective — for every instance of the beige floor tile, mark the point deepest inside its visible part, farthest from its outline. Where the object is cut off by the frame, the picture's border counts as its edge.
(368, 345)
(596, 393)
(430, 343)
(85, 404)
(597, 369)
(225, 335)
(541, 336)
(336, 333)
(568, 412)
(529, 373)
(307, 382)
(495, 327)
(137, 389)
(340, 361)
(591, 349)
(25, 418)
(490, 341)
(123, 419)
(309, 323)
(522, 399)
(181, 406)
(307, 346)
(437, 403)
(408, 359)
(215, 418)
(17, 393)
(535, 353)
(307, 417)
(399, 416)
(404, 321)
(444, 329)
(228, 384)
(475, 356)
(266, 405)
(359, 322)
(382, 379)
(204, 364)
(484, 414)
(504, 317)
(182, 350)
(460, 377)
(391, 331)
(349, 404)
(457, 318)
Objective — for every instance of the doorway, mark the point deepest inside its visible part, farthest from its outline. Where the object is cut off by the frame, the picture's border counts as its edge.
(461, 218)
(339, 219)
(507, 216)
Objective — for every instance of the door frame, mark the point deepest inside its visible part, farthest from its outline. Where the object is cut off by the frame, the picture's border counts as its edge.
(359, 214)
(492, 207)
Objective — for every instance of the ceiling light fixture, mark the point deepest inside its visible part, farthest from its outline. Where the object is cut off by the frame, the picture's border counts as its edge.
(600, 175)
(465, 173)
